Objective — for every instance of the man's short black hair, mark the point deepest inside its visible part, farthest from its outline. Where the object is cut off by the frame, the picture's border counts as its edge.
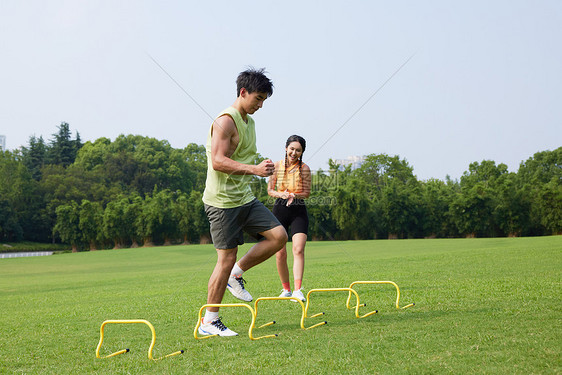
(254, 80)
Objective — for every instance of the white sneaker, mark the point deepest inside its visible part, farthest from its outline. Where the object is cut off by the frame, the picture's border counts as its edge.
(298, 294)
(236, 287)
(216, 327)
(285, 293)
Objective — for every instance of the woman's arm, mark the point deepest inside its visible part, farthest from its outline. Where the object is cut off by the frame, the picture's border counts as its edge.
(306, 178)
(271, 185)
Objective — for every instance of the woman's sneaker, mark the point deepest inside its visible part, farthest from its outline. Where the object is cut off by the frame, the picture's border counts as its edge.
(298, 294)
(216, 327)
(285, 293)
(236, 287)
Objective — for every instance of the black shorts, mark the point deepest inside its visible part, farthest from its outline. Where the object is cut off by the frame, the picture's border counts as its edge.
(295, 216)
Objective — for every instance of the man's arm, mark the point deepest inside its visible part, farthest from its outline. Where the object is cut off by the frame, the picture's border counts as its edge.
(271, 184)
(224, 130)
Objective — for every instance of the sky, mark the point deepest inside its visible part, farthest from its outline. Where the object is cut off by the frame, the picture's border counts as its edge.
(441, 84)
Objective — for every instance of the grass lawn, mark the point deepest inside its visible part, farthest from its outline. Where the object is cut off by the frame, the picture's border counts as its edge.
(489, 306)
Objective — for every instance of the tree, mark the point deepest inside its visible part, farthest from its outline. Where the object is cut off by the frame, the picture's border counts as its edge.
(400, 206)
(201, 228)
(541, 181)
(378, 170)
(155, 168)
(391, 187)
(90, 222)
(23, 196)
(77, 143)
(472, 211)
(139, 164)
(549, 207)
(67, 224)
(152, 192)
(115, 222)
(543, 167)
(133, 217)
(512, 207)
(320, 204)
(183, 213)
(60, 185)
(192, 223)
(196, 158)
(436, 197)
(93, 155)
(157, 218)
(63, 150)
(147, 222)
(352, 213)
(167, 226)
(34, 156)
(10, 229)
(322, 226)
(475, 205)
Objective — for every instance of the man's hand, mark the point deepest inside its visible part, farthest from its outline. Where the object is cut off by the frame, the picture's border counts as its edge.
(265, 168)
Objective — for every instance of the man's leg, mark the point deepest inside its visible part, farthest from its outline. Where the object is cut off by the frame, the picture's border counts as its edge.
(275, 239)
(211, 324)
(219, 277)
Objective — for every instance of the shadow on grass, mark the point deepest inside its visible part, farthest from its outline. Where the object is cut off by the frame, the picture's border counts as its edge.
(338, 319)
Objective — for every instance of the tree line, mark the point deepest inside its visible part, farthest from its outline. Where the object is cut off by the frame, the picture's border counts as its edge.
(139, 191)
(383, 199)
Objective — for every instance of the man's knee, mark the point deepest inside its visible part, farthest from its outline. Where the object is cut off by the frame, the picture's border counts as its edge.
(280, 236)
(226, 259)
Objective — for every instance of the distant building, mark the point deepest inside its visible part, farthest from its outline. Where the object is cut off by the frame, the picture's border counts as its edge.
(355, 161)
(2, 143)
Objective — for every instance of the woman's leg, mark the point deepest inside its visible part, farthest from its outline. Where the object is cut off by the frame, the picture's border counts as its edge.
(282, 268)
(299, 242)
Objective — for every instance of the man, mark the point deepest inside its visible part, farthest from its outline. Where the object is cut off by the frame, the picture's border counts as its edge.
(229, 203)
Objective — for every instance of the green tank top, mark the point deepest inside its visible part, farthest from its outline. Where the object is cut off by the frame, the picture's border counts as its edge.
(228, 191)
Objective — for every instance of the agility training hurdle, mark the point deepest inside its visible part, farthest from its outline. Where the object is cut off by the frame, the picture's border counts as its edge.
(378, 282)
(133, 321)
(250, 330)
(254, 314)
(303, 315)
(357, 305)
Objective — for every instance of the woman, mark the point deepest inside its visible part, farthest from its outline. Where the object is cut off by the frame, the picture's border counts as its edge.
(290, 184)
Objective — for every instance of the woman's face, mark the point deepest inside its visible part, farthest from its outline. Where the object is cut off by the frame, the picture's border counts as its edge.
(294, 152)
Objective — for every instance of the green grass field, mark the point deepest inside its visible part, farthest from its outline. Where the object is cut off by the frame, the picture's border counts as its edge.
(488, 306)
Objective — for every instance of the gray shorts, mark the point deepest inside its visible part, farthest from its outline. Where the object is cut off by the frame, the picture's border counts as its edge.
(229, 224)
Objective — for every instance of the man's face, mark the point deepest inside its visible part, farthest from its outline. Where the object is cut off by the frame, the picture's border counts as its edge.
(253, 101)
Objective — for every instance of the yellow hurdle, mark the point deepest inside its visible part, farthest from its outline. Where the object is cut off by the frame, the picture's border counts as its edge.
(254, 313)
(378, 282)
(303, 315)
(339, 290)
(250, 330)
(132, 321)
